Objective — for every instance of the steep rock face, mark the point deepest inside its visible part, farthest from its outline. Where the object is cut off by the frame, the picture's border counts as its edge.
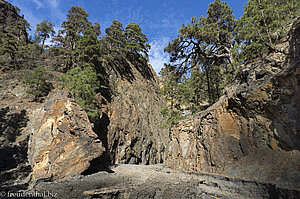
(14, 167)
(11, 22)
(15, 112)
(253, 131)
(62, 141)
(133, 118)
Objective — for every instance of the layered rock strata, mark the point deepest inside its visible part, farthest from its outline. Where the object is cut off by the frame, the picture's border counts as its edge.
(133, 120)
(62, 141)
(253, 131)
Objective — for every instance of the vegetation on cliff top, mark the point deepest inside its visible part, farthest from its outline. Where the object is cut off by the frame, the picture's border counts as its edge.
(206, 54)
(203, 58)
(78, 51)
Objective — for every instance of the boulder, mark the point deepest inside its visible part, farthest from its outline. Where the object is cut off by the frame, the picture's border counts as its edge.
(62, 141)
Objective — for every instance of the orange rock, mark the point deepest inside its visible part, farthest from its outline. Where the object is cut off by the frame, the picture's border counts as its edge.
(64, 143)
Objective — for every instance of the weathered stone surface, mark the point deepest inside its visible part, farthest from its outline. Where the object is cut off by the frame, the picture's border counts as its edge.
(9, 17)
(133, 120)
(253, 131)
(155, 181)
(62, 140)
(15, 111)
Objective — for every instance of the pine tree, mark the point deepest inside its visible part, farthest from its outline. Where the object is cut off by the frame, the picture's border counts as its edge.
(8, 48)
(115, 35)
(209, 38)
(96, 28)
(72, 31)
(208, 42)
(197, 84)
(136, 41)
(170, 111)
(12, 37)
(176, 93)
(263, 24)
(83, 84)
(43, 31)
(37, 82)
(87, 51)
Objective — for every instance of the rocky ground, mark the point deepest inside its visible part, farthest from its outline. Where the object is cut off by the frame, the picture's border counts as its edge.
(156, 181)
(248, 143)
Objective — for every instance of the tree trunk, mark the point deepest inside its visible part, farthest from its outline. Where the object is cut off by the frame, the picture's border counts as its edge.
(43, 42)
(265, 23)
(208, 85)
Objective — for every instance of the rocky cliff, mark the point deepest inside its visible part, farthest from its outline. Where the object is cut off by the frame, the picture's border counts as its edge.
(133, 134)
(15, 111)
(253, 131)
(11, 22)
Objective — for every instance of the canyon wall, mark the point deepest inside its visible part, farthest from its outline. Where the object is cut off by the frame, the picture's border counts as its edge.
(133, 134)
(253, 131)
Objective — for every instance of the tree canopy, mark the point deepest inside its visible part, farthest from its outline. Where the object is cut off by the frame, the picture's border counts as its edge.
(207, 52)
(43, 31)
(115, 35)
(83, 84)
(206, 38)
(72, 31)
(136, 41)
(263, 24)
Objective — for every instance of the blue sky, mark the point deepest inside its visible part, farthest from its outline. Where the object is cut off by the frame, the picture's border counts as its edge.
(159, 19)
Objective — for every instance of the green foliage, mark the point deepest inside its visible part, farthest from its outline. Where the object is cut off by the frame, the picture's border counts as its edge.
(202, 57)
(14, 54)
(198, 89)
(71, 33)
(76, 23)
(96, 29)
(263, 24)
(37, 82)
(87, 50)
(173, 116)
(115, 35)
(207, 39)
(43, 31)
(56, 58)
(8, 48)
(83, 84)
(176, 93)
(136, 41)
(29, 56)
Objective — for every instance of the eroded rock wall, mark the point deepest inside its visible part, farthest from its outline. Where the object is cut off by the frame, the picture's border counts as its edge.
(133, 120)
(10, 21)
(62, 141)
(253, 131)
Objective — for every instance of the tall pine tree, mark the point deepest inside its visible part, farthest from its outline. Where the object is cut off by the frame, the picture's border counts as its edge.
(263, 24)
(72, 32)
(115, 36)
(43, 31)
(136, 41)
(208, 42)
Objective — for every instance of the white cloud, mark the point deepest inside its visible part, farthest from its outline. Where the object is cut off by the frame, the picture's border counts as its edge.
(157, 57)
(53, 3)
(38, 4)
